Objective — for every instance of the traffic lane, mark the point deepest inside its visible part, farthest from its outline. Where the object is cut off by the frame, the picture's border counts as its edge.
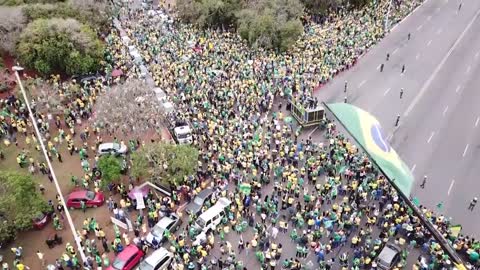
(450, 149)
(376, 91)
(419, 60)
(467, 188)
(368, 65)
(449, 69)
(431, 114)
(464, 185)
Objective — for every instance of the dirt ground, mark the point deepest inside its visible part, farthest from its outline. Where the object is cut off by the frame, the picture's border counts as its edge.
(34, 240)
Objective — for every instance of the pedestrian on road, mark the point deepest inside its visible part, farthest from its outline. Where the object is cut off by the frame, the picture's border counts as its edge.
(459, 6)
(83, 206)
(241, 244)
(398, 120)
(381, 67)
(472, 204)
(403, 69)
(41, 257)
(346, 84)
(388, 56)
(401, 93)
(345, 99)
(408, 36)
(424, 182)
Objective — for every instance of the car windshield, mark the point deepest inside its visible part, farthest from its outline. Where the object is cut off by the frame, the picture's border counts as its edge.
(116, 146)
(183, 135)
(90, 195)
(157, 231)
(198, 201)
(201, 223)
(145, 266)
(118, 264)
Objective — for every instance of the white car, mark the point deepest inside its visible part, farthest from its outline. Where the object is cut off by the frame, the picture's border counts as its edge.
(159, 260)
(112, 148)
(170, 223)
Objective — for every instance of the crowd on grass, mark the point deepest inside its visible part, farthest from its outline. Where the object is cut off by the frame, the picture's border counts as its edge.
(324, 196)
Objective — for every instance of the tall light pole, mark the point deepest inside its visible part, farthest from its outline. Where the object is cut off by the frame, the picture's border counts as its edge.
(44, 151)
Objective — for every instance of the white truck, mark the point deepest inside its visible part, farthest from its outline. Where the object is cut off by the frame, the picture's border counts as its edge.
(181, 131)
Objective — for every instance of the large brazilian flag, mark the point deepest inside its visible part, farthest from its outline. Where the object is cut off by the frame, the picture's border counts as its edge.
(366, 130)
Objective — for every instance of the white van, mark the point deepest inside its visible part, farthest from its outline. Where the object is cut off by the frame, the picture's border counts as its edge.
(210, 219)
(159, 260)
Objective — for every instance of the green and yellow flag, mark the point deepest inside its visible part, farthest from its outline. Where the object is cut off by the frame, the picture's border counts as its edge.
(367, 131)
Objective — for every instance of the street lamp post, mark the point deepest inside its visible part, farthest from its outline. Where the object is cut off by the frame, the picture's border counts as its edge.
(44, 151)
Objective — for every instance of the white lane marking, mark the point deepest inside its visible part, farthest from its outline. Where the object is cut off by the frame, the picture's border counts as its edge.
(431, 136)
(389, 137)
(445, 111)
(476, 55)
(419, 27)
(413, 168)
(465, 151)
(429, 17)
(429, 42)
(458, 89)
(439, 31)
(417, 56)
(409, 14)
(362, 83)
(386, 92)
(315, 129)
(437, 69)
(469, 68)
(378, 68)
(451, 186)
(394, 51)
(476, 122)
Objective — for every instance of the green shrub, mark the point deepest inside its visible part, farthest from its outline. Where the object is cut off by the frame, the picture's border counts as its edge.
(60, 45)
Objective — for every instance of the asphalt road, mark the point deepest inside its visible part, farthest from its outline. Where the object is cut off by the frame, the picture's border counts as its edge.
(438, 135)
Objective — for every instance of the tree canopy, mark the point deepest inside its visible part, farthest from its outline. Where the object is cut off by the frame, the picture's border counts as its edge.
(266, 23)
(131, 107)
(169, 162)
(110, 167)
(272, 24)
(65, 45)
(209, 13)
(20, 202)
(90, 12)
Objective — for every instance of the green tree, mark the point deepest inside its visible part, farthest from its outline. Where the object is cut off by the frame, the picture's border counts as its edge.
(60, 45)
(321, 7)
(11, 25)
(20, 202)
(140, 164)
(209, 13)
(7, 231)
(272, 24)
(169, 162)
(90, 12)
(22, 2)
(111, 168)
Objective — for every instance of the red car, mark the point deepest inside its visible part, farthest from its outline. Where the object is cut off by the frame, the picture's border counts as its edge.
(41, 220)
(91, 199)
(127, 259)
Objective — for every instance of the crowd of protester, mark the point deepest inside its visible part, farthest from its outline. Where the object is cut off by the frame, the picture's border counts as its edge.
(323, 196)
